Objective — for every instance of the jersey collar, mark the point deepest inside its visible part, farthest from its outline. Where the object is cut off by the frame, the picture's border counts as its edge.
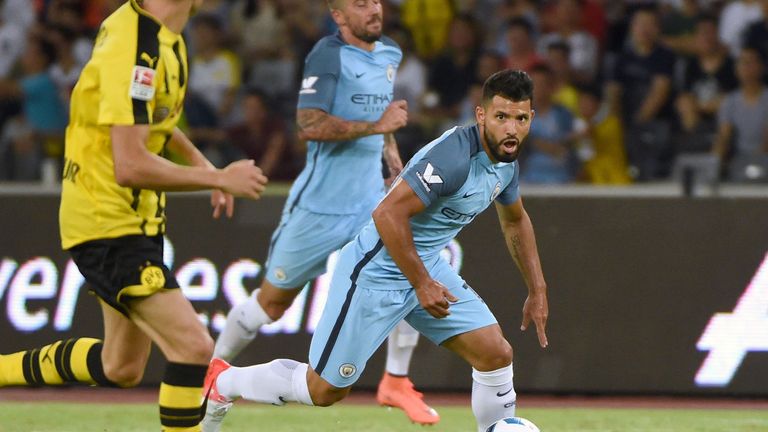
(165, 34)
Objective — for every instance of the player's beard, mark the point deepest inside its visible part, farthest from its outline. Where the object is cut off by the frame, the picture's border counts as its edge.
(495, 148)
(369, 36)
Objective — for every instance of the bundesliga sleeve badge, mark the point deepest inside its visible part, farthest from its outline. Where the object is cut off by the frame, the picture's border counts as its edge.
(142, 83)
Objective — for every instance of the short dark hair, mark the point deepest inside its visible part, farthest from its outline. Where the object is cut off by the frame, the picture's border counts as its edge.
(208, 20)
(708, 18)
(560, 45)
(522, 23)
(511, 84)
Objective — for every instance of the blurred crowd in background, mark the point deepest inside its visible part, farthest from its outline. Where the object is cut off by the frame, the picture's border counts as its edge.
(623, 89)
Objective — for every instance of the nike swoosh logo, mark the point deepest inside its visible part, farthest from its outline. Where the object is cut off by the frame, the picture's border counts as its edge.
(358, 75)
(467, 195)
(500, 394)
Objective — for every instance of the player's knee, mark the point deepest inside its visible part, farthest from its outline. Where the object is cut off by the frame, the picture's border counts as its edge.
(200, 348)
(276, 309)
(124, 375)
(275, 306)
(498, 357)
(328, 397)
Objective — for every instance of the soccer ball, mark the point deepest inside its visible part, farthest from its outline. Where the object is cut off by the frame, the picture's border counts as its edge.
(513, 424)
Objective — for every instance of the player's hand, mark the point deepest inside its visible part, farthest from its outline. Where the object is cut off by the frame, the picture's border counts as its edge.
(244, 179)
(536, 309)
(435, 298)
(221, 200)
(394, 117)
(394, 163)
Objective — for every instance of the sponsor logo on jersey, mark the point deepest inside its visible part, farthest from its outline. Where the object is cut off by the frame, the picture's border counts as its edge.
(308, 84)
(428, 177)
(371, 99)
(142, 87)
(148, 59)
(390, 72)
(457, 215)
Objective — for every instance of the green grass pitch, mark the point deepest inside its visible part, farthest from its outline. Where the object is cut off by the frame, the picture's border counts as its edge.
(65, 417)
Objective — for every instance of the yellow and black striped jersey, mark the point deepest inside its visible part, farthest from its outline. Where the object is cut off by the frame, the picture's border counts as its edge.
(137, 74)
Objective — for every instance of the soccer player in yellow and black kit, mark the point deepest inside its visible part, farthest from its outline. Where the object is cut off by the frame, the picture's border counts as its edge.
(125, 107)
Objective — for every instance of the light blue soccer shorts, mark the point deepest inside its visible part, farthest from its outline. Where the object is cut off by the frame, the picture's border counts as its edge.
(300, 245)
(358, 318)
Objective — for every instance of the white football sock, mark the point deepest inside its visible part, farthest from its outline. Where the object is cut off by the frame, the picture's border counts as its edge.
(276, 382)
(400, 346)
(493, 396)
(243, 323)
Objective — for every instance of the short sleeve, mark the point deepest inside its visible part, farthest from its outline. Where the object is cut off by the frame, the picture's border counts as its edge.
(441, 172)
(127, 75)
(321, 75)
(511, 193)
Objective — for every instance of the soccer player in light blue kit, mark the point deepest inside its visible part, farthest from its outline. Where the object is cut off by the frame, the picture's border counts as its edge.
(347, 114)
(392, 270)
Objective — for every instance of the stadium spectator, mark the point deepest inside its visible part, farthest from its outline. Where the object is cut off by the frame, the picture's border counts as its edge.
(257, 27)
(70, 14)
(411, 86)
(261, 34)
(640, 89)
(39, 132)
(263, 137)
(568, 28)
(743, 116)
(557, 58)
(303, 21)
(19, 12)
(429, 21)
(678, 26)
(214, 74)
(599, 140)
(595, 21)
(496, 25)
(488, 63)
(65, 70)
(550, 158)
(452, 72)
(12, 40)
(216, 8)
(735, 18)
(756, 35)
(522, 48)
(707, 78)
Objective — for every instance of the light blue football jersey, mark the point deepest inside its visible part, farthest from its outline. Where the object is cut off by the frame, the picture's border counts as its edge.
(357, 85)
(456, 181)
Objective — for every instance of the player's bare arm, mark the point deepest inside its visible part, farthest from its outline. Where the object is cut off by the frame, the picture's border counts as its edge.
(521, 242)
(137, 167)
(392, 155)
(181, 145)
(318, 125)
(392, 222)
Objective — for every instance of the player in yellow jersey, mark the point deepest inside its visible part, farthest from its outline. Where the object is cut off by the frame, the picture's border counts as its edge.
(125, 108)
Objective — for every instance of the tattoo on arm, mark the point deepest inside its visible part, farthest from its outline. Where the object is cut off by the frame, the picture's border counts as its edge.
(514, 243)
(317, 125)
